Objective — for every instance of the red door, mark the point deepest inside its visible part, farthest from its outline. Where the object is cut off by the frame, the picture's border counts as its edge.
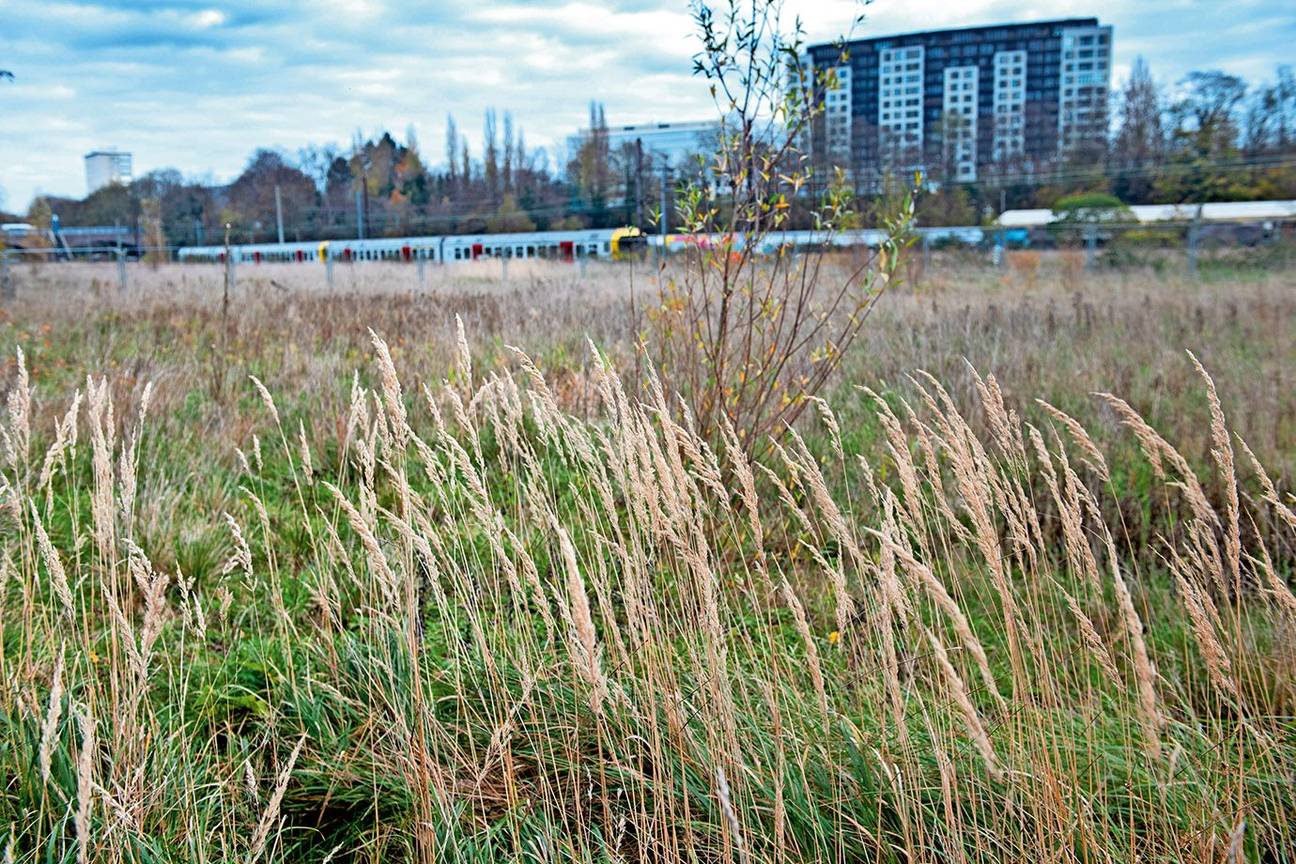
(567, 250)
(476, 251)
(256, 257)
(405, 253)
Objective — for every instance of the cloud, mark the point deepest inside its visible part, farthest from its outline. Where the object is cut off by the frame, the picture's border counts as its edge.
(199, 84)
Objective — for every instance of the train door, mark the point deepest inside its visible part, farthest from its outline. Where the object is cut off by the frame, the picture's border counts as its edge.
(567, 250)
(476, 251)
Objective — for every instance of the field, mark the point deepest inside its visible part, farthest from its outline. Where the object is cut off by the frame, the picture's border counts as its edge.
(435, 568)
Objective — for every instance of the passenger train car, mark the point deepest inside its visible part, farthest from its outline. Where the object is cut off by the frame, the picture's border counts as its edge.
(1014, 228)
(559, 245)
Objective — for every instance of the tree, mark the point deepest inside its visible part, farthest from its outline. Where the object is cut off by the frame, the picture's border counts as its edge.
(746, 338)
(1140, 146)
(452, 149)
(509, 217)
(490, 155)
(1205, 114)
(1205, 135)
(251, 197)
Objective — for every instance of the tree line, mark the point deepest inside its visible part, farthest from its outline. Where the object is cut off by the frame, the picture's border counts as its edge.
(1213, 137)
(382, 186)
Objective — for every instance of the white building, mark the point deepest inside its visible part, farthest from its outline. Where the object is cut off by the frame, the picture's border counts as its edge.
(103, 167)
(676, 142)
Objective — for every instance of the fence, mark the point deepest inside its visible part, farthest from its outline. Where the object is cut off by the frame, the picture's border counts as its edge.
(1194, 249)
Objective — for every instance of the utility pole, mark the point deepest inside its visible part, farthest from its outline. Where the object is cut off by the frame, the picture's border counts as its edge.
(360, 226)
(279, 213)
(665, 218)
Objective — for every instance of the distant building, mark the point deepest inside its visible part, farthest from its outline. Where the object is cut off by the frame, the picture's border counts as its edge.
(1010, 98)
(676, 142)
(103, 167)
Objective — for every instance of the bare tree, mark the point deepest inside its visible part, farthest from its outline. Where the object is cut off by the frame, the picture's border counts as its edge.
(1140, 145)
(746, 336)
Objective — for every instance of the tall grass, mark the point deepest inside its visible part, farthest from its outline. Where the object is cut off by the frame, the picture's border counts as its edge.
(484, 627)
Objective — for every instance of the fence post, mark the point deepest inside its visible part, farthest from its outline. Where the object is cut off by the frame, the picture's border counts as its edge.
(422, 276)
(121, 270)
(1091, 246)
(328, 269)
(1192, 244)
(7, 291)
(504, 267)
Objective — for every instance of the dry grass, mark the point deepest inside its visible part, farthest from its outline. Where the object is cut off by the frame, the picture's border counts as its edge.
(510, 608)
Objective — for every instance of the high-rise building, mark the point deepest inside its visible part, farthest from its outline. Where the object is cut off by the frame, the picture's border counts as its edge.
(103, 167)
(1010, 98)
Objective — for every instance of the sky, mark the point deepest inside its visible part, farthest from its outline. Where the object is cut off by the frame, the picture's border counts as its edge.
(197, 85)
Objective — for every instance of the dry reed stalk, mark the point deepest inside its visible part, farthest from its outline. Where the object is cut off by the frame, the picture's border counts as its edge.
(241, 557)
(53, 564)
(583, 644)
(947, 604)
(65, 434)
(727, 808)
(85, 784)
(49, 728)
(899, 448)
(807, 638)
(17, 436)
(393, 400)
(100, 415)
(1089, 633)
(1144, 673)
(1081, 437)
(1071, 515)
(972, 720)
(388, 582)
(271, 813)
(1222, 451)
(463, 357)
(1218, 666)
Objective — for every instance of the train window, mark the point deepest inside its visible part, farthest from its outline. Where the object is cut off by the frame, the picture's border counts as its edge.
(531, 251)
(607, 246)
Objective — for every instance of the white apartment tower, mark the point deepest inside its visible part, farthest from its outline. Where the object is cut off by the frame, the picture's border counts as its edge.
(103, 167)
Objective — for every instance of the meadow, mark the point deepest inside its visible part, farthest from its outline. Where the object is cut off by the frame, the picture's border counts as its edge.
(435, 567)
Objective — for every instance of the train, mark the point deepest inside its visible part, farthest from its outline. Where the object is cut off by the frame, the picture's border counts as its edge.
(606, 243)
(1015, 229)
(600, 243)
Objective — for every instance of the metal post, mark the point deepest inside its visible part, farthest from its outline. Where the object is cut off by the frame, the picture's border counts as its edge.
(121, 270)
(1091, 246)
(279, 213)
(7, 291)
(328, 269)
(1192, 242)
(360, 226)
(504, 267)
(229, 271)
(422, 265)
(665, 218)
